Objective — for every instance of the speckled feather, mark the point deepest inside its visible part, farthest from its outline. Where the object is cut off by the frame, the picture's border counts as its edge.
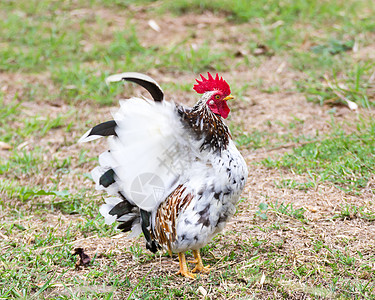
(206, 126)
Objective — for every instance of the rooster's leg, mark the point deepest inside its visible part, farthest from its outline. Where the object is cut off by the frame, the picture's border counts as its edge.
(199, 264)
(184, 271)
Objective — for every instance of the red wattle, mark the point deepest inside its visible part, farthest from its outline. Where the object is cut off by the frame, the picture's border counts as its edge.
(223, 109)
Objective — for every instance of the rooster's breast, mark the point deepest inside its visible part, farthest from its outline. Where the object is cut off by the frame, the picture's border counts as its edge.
(216, 185)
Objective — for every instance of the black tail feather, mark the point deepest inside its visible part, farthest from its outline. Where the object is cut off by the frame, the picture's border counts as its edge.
(104, 129)
(107, 178)
(143, 80)
(98, 131)
(121, 209)
(155, 91)
(126, 226)
(151, 244)
(139, 215)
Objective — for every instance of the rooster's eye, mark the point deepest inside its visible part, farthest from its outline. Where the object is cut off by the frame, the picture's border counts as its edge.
(217, 97)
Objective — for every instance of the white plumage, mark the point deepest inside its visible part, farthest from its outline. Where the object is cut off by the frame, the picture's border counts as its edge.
(153, 130)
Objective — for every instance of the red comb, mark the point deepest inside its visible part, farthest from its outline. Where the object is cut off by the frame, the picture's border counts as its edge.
(211, 84)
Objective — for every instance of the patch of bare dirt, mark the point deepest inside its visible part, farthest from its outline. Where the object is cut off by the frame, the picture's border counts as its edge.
(15, 85)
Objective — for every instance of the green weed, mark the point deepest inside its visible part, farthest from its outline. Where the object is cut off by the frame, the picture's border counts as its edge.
(288, 210)
(350, 211)
(346, 160)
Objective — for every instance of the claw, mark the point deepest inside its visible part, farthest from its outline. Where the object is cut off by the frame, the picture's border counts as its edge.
(187, 274)
(199, 264)
(201, 269)
(184, 271)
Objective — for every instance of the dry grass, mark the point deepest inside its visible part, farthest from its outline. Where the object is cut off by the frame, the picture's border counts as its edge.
(320, 247)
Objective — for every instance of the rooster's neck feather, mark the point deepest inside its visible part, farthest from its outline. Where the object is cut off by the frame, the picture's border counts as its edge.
(205, 126)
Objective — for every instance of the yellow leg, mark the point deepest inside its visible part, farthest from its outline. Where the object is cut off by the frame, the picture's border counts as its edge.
(184, 271)
(199, 264)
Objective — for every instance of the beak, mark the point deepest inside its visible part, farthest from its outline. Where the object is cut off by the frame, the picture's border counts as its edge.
(230, 97)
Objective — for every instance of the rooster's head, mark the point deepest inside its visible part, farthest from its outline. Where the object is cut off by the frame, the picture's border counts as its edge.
(216, 92)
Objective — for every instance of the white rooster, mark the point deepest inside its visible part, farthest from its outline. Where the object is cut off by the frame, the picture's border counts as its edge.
(172, 172)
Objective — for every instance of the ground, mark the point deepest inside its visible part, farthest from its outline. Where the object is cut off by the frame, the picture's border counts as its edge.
(304, 227)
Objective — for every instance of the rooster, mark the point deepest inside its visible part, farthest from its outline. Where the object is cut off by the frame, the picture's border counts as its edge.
(172, 172)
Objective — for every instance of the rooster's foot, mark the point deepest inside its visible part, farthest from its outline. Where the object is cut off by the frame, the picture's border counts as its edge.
(199, 267)
(183, 267)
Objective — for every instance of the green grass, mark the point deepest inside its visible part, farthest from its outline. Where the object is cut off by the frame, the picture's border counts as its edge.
(345, 159)
(280, 209)
(275, 27)
(351, 211)
(54, 57)
(65, 48)
(268, 140)
(272, 11)
(353, 84)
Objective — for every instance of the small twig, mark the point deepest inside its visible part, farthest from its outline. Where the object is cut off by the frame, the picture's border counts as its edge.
(4, 236)
(352, 105)
(213, 255)
(372, 77)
